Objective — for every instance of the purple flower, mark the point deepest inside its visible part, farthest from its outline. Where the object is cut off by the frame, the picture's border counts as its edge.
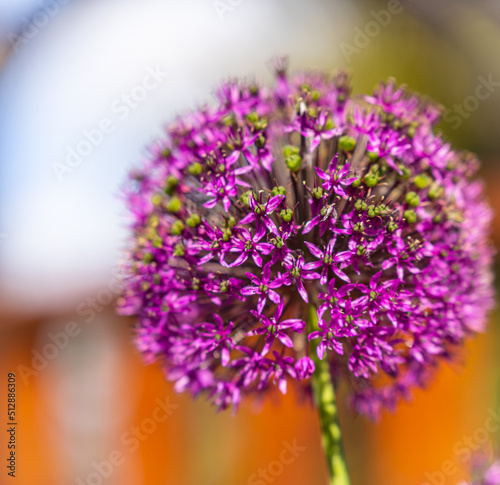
(329, 260)
(218, 338)
(261, 213)
(305, 367)
(263, 287)
(336, 177)
(273, 329)
(298, 271)
(298, 198)
(247, 245)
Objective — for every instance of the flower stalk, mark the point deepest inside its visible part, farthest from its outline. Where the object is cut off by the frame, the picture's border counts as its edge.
(324, 397)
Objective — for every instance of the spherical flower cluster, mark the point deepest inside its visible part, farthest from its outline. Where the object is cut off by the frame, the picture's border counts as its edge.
(282, 202)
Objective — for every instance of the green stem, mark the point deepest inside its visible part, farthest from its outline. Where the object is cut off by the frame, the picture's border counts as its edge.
(324, 396)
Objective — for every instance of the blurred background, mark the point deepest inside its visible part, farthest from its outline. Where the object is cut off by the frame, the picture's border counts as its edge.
(100, 78)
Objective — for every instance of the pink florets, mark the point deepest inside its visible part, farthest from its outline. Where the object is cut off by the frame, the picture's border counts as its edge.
(277, 201)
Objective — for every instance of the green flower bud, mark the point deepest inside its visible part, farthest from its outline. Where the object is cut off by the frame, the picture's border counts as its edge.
(174, 205)
(278, 242)
(356, 183)
(253, 117)
(289, 150)
(422, 181)
(228, 119)
(194, 220)
(410, 216)
(195, 169)
(179, 250)
(292, 158)
(435, 191)
(360, 205)
(412, 199)
(171, 185)
(157, 243)
(260, 209)
(286, 215)
(412, 129)
(177, 228)
(157, 199)
(245, 197)
(405, 172)
(278, 191)
(317, 193)
(371, 179)
(347, 143)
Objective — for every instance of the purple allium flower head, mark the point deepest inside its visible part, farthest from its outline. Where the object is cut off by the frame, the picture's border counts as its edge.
(277, 200)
